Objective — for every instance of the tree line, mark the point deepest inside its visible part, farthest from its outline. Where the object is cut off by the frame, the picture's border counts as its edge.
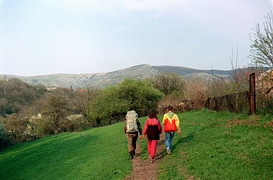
(31, 111)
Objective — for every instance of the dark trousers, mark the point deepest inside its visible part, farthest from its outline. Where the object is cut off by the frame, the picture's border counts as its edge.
(132, 138)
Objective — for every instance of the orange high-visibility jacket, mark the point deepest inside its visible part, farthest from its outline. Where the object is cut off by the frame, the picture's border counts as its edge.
(170, 123)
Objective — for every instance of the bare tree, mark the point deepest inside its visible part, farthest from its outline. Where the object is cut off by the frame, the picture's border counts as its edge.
(168, 82)
(239, 75)
(56, 109)
(262, 43)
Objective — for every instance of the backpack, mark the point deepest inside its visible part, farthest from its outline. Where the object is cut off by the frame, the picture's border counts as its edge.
(131, 121)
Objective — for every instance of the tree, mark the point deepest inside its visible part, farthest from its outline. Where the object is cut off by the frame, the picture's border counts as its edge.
(112, 103)
(81, 99)
(196, 89)
(56, 110)
(16, 94)
(168, 82)
(262, 43)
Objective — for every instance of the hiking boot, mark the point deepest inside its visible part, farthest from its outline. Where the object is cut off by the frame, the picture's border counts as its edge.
(169, 151)
(131, 156)
(152, 160)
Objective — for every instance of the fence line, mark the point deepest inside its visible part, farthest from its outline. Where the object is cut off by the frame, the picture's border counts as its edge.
(239, 102)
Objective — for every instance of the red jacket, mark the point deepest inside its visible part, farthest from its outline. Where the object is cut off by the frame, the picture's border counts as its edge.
(171, 122)
(152, 121)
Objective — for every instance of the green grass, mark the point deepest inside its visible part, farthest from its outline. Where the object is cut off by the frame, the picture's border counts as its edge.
(208, 148)
(99, 153)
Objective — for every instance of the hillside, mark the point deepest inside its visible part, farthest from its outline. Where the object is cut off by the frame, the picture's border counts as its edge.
(105, 79)
(186, 71)
(79, 155)
(213, 145)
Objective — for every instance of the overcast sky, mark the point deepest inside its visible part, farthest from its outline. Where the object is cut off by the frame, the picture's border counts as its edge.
(80, 36)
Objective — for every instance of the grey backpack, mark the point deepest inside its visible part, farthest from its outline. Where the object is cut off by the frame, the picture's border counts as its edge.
(131, 121)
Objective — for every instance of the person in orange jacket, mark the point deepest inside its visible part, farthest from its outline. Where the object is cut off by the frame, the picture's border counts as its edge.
(171, 124)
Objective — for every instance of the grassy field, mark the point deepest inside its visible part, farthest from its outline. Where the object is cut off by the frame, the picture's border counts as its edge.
(213, 145)
(99, 153)
(220, 145)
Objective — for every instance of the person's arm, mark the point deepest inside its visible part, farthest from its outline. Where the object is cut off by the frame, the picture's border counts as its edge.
(177, 123)
(139, 127)
(159, 127)
(164, 118)
(145, 127)
(125, 128)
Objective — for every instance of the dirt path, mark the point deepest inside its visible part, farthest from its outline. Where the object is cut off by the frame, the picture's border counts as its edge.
(142, 168)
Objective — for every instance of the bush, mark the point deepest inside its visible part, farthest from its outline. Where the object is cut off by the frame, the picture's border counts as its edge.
(174, 99)
(16, 126)
(72, 123)
(112, 103)
(5, 139)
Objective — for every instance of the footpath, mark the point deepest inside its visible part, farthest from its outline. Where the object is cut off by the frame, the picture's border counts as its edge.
(142, 168)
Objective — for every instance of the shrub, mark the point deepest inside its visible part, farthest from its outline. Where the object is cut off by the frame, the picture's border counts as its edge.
(174, 99)
(112, 103)
(16, 126)
(5, 139)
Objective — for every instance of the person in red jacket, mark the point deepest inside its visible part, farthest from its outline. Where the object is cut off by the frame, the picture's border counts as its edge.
(152, 128)
(171, 124)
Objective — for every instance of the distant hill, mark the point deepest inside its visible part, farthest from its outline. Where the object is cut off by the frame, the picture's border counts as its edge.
(190, 73)
(186, 71)
(100, 80)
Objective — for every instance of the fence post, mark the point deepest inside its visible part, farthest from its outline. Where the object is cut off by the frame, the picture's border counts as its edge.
(252, 94)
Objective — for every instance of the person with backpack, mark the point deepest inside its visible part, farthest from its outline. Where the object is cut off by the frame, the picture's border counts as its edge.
(132, 128)
(152, 128)
(171, 124)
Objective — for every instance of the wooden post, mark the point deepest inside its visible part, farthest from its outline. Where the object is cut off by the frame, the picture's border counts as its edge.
(252, 94)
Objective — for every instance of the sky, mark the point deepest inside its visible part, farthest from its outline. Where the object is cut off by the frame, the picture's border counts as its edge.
(91, 36)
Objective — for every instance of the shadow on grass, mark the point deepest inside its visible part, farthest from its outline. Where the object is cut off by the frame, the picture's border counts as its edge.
(184, 140)
(180, 141)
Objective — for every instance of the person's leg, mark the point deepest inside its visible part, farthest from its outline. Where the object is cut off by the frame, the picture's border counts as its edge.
(149, 146)
(153, 148)
(171, 139)
(167, 139)
(129, 142)
(135, 136)
(130, 145)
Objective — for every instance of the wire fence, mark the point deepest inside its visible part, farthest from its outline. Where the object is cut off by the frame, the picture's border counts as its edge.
(239, 102)
(264, 100)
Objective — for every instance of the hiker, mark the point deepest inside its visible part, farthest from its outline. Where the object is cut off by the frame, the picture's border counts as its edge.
(132, 128)
(152, 128)
(171, 124)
